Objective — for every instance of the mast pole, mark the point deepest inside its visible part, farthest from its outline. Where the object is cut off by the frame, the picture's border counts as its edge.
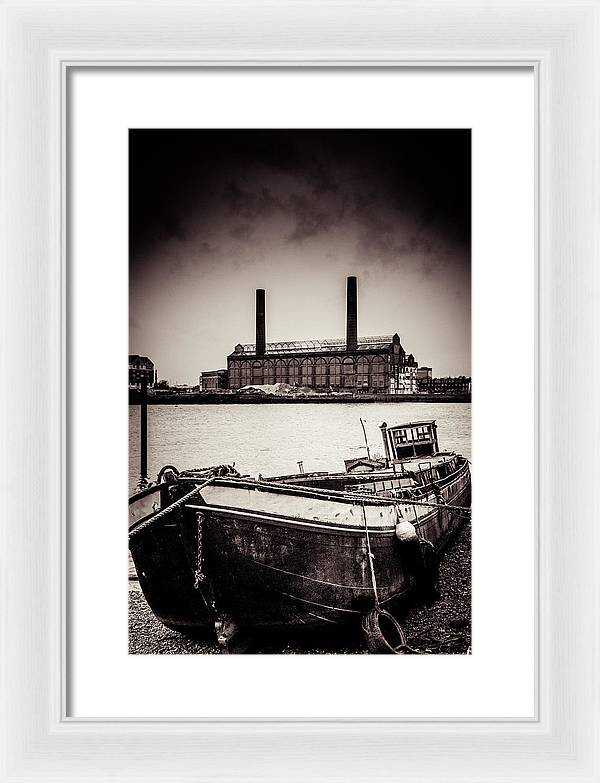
(144, 434)
(366, 441)
(383, 428)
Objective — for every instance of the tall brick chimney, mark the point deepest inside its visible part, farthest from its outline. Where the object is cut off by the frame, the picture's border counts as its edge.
(261, 340)
(351, 315)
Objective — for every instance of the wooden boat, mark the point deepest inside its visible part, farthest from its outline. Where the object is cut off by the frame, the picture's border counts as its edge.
(216, 550)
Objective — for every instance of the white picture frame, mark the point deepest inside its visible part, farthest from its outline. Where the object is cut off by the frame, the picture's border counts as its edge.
(41, 41)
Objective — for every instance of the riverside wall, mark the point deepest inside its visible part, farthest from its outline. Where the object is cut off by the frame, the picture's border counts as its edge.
(232, 398)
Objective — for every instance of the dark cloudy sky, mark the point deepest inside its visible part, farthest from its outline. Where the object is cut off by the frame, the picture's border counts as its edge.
(215, 214)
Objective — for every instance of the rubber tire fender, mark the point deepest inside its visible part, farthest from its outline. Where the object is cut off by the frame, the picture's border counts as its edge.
(383, 633)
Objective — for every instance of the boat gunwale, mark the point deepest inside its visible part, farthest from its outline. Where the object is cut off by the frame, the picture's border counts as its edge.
(382, 474)
(349, 498)
(142, 493)
(281, 520)
(342, 496)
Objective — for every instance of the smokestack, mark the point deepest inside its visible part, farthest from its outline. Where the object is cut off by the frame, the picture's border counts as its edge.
(261, 342)
(351, 317)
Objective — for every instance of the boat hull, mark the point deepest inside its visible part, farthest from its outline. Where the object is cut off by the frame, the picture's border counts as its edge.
(245, 561)
(267, 574)
(165, 570)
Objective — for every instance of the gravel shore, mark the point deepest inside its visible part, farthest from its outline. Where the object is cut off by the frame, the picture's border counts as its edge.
(443, 627)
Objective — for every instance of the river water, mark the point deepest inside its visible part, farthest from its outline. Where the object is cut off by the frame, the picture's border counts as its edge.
(270, 439)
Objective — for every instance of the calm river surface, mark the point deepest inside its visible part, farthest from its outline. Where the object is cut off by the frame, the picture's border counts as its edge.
(270, 439)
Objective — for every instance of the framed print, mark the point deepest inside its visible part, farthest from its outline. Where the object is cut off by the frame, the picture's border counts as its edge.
(315, 201)
(363, 227)
(315, 231)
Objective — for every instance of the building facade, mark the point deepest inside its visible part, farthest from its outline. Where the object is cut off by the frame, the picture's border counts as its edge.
(141, 370)
(449, 385)
(213, 379)
(369, 364)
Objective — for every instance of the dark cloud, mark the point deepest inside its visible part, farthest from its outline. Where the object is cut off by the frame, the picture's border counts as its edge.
(321, 178)
(315, 178)
(247, 203)
(215, 213)
(310, 218)
(389, 235)
(203, 248)
(242, 231)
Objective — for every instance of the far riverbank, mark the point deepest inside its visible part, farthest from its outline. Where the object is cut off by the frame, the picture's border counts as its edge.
(231, 398)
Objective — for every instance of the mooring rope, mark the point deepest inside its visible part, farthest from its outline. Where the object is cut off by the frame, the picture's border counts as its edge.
(138, 529)
(407, 646)
(371, 557)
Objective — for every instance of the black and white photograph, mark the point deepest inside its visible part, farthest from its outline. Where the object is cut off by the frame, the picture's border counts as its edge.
(299, 388)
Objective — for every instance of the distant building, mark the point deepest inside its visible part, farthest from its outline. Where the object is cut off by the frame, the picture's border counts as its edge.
(407, 379)
(183, 388)
(368, 364)
(449, 385)
(423, 373)
(213, 379)
(141, 369)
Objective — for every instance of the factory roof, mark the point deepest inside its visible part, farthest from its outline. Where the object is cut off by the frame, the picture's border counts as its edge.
(314, 346)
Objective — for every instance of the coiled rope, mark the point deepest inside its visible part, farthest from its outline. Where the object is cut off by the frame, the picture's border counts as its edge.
(166, 512)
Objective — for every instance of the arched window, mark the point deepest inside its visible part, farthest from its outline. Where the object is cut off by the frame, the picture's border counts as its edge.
(281, 371)
(379, 375)
(268, 372)
(335, 372)
(306, 368)
(234, 375)
(294, 372)
(257, 373)
(321, 373)
(362, 373)
(245, 373)
(348, 373)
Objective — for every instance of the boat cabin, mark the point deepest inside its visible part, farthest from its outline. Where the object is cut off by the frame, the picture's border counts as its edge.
(415, 439)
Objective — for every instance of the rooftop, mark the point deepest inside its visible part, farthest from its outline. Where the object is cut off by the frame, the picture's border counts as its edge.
(135, 358)
(411, 424)
(314, 346)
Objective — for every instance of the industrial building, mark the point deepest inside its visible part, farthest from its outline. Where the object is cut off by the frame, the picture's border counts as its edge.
(366, 364)
(449, 385)
(141, 370)
(210, 380)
